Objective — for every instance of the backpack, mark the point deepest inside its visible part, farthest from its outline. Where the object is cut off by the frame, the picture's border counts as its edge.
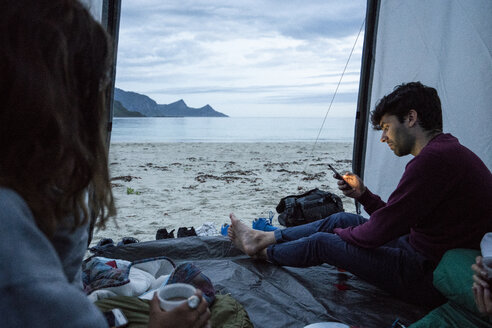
(308, 207)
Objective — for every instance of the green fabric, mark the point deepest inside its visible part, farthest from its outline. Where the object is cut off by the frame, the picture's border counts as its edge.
(453, 277)
(451, 315)
(134, 309)
(229, 313)
(226, 312)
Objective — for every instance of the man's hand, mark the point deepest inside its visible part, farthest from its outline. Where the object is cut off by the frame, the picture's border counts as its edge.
(351, 185)
(481, 288)
(180, 317)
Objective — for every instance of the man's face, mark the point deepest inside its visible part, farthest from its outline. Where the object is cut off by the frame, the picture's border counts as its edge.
(397, 135)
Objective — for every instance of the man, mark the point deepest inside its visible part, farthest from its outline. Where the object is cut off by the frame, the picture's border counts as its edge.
(441, 202)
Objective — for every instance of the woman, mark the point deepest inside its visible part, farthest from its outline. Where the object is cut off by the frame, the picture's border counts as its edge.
(54, 65)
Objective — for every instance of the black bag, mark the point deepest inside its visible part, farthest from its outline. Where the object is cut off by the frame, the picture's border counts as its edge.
(311, 206)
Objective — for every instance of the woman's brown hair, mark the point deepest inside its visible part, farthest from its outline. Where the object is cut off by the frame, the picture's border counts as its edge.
(54, 66)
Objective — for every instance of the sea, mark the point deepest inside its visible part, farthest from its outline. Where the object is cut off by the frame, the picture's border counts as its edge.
(232, 129)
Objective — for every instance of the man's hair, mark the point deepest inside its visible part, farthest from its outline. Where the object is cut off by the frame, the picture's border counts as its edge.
(414, 95)
(54, 66)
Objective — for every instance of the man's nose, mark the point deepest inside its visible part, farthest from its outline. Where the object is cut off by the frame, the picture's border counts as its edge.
(384, 138)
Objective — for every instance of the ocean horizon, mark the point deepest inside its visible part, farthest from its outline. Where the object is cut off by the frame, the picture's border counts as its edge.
(232, 129)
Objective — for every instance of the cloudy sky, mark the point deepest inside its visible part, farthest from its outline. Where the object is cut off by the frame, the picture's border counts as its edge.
(244, 58)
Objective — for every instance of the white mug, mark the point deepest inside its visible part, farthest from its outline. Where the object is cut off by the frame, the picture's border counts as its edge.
(173, 295)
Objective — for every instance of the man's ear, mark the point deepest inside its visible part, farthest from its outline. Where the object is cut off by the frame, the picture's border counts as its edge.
(412, 117)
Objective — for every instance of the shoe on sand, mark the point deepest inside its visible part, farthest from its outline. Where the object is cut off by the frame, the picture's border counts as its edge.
(103, 244)
(263, 224)
(127, 240)
(186, 232)
(224, 229)
(163, 234)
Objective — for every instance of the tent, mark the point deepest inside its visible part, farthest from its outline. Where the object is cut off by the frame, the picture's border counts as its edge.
(444, 44)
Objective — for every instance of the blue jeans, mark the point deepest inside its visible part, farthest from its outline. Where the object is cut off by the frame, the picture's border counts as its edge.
(395, 267)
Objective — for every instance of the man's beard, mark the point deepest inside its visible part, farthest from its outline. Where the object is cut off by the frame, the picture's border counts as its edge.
(402, 143)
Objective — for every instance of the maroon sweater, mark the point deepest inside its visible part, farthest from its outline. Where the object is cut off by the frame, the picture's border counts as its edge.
(443, 200)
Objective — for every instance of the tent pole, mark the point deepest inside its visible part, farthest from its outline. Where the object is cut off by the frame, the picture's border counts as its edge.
(110, 20)
(364, 98)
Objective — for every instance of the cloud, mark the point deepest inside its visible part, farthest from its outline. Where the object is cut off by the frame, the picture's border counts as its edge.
(215, 51)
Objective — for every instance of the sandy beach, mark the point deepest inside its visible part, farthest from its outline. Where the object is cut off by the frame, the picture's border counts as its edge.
(172, 185)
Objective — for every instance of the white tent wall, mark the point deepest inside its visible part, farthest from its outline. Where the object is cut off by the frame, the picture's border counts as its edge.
(443, 44)
(95, 7)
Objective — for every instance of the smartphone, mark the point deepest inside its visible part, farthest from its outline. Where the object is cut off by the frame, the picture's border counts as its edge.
(115, 318)
(338, 175)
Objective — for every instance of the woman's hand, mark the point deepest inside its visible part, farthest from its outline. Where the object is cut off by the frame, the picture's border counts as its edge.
(481, 288)
(180, 317)
(351, 185)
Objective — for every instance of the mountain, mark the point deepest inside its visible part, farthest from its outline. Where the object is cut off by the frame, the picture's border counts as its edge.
(143, 104)
(120, 111)
(136, 102)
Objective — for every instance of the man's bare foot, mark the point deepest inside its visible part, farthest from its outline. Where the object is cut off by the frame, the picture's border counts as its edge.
(250, 241)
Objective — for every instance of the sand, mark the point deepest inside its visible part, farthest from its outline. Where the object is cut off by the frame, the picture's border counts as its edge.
(172, 185)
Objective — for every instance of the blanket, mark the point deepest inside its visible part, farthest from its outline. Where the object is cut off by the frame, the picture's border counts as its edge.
(105, 277)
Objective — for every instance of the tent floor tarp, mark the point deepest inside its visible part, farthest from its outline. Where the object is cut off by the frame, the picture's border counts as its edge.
(279, 296)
